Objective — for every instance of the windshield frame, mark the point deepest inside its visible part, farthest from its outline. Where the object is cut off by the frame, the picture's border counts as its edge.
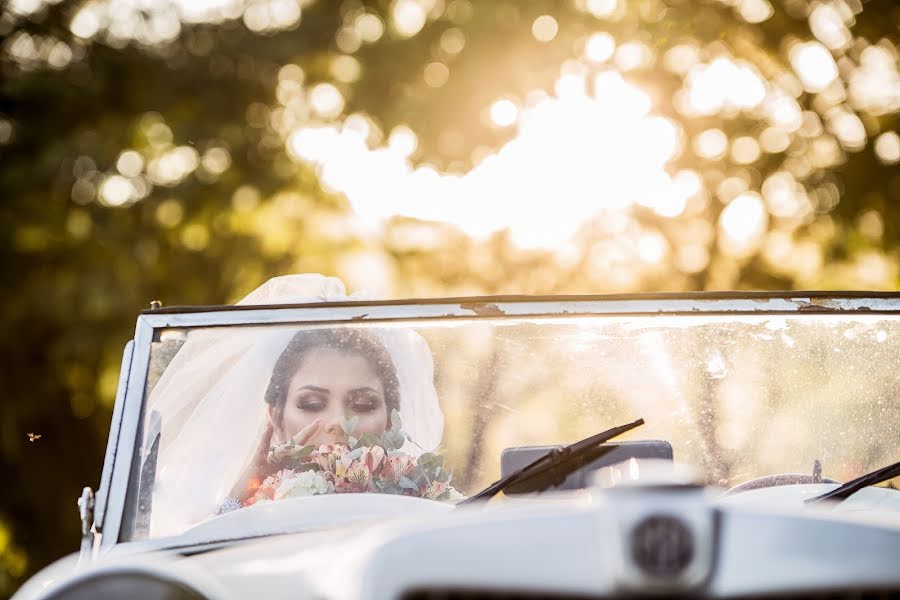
(125, 428)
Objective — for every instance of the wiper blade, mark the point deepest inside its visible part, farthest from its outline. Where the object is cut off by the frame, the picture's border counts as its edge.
(851, 487)
(561, 462)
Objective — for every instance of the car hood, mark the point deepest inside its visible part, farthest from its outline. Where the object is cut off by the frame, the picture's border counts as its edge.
(681, 540)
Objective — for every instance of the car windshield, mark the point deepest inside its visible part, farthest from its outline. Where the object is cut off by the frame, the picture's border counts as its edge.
(236, 417)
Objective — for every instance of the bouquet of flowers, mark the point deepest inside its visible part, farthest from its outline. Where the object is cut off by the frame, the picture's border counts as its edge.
(369, 463)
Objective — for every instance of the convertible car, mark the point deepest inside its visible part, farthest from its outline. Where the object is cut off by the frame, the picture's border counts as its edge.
(726, 445)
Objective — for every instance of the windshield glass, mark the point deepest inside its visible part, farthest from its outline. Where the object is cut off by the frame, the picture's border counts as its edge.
(239, 416)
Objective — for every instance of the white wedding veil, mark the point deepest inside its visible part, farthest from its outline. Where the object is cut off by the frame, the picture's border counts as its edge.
(210, 411)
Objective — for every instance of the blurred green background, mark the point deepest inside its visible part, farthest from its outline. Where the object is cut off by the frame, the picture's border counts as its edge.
(187, 150)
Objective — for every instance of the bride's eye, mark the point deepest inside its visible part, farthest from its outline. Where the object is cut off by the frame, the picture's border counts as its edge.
(311, 403)
(365, 403)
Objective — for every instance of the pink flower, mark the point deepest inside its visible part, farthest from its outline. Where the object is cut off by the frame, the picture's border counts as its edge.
(396, 467)
(266, 490)
(372, 458)
(326, 460)
(356, 479)
(433, 491)
(340, 470)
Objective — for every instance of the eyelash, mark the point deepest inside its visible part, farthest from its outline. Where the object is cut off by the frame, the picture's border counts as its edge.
(364, 405)
(317, 404)
(314, 404)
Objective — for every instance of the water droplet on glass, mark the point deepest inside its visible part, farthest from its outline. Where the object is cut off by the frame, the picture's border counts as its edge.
(715, 366)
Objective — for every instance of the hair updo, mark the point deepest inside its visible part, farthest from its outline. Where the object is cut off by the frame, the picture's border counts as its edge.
(357, 342)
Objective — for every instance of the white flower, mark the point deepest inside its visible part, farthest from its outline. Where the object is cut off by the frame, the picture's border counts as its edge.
(452, 495)
(307, 483)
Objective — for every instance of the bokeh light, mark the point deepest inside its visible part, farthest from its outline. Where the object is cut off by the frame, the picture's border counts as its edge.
(814, 64)
(743, 224)
(600, 47)
(504, 112)
(618, 128)
(544, 28)
(887, 147)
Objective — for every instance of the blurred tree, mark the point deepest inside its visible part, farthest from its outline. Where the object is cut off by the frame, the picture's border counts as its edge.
(187, 151)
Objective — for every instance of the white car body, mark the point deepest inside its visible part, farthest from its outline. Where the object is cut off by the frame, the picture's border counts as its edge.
(601, 542)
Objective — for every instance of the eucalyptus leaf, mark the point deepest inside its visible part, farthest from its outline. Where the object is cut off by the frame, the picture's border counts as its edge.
(418, 474)
(304, 451)
(353, 442)
(369, 439)
(430, 461)
(395, 420)
(354, 454)
(408, 484)
(387, 487)
(349, 425)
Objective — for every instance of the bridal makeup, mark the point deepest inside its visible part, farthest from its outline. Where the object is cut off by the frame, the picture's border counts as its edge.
(332, 385)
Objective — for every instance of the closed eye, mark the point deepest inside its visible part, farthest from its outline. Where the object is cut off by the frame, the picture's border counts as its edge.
(312, 398)
(364, 400)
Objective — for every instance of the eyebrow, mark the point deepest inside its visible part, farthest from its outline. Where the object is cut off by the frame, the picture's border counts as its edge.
(365, 389)
(322, 390)
(315, 389)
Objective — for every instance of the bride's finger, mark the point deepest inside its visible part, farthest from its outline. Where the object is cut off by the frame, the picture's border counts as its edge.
(305, 434)
(283, 451)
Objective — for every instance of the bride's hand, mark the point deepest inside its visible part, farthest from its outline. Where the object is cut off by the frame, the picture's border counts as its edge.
(267, 455)
(278, 453)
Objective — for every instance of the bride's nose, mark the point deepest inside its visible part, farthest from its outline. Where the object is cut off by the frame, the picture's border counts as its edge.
(333, 427)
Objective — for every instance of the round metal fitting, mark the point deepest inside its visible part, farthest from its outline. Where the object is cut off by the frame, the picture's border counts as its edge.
(662, 546)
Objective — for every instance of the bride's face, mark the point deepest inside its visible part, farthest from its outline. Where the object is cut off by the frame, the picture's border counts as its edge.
(330, 385)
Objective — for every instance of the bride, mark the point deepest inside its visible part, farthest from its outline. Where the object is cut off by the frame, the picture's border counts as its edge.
(236, 406)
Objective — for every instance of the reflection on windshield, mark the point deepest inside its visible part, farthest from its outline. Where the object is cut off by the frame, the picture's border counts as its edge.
(241, 416)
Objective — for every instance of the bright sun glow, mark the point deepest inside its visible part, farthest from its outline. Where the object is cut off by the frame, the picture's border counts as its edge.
(813, 62)
(504, 113)
(571, 159)
(743, 224)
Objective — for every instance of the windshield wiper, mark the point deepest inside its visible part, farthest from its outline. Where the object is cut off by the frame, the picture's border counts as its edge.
(560, 462)
(854, 485)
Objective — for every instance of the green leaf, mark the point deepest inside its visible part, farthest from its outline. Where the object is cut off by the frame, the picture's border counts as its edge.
(348, 425)
(386, 487)
(369, 439)
(353, 442)
(431, 462)
(408, 484)
(308, 467)
(419, 474)
(395, 420)
(354, 454)
(304, 451)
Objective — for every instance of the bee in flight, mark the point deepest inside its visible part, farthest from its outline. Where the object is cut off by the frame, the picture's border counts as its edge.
(33, 437)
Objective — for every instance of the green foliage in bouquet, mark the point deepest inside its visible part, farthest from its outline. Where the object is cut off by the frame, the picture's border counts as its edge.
(389, 469)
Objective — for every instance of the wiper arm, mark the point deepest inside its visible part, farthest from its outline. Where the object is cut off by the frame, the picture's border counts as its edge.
(561, 462)
(851, 487)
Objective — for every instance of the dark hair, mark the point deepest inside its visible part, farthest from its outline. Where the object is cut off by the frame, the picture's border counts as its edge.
(350, 341)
